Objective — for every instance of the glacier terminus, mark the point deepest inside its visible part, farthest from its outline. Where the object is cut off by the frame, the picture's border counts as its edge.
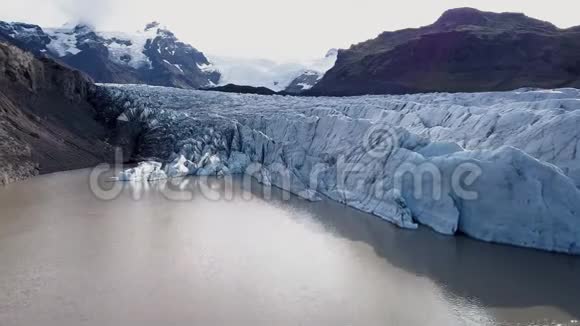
(499, 167)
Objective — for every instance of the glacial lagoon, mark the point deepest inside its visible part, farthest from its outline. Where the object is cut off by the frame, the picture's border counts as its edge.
(232, 257)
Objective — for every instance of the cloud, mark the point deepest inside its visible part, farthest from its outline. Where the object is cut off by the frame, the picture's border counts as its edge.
(88, 12)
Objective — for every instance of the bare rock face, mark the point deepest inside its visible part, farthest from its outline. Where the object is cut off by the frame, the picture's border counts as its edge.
(466, 50)
(16, 161)
(47, 123)
(303, 82)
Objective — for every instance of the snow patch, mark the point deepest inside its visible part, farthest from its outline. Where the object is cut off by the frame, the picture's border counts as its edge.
(63, 43)
(305, 86)
(124, 48)
(124, 45)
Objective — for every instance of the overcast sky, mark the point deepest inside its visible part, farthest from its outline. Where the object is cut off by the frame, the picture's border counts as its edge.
(276, 29)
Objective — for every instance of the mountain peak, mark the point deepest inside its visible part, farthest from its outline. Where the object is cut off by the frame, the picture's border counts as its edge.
(161, 30)
(462, 16)
(152, 25)
(507, 20)
(77, 27)
(83, 28)
(331, 53)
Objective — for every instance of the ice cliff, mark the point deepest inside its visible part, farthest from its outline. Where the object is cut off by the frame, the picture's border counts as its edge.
(499, 167)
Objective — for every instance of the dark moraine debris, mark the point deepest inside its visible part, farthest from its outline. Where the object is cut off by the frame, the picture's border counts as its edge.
(241, 89)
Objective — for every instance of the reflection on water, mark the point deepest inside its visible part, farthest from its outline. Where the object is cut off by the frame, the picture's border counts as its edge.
(68, 258)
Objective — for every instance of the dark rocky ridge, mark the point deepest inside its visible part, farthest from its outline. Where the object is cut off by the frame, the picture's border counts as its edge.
(242, 89)
(466, 50)
(47, 122)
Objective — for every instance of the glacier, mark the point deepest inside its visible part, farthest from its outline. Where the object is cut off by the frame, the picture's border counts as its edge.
(498, 167)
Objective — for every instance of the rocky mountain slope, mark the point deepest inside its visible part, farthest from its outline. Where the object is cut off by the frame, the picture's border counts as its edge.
(153, 56)
(499, 167)
(466, 50)
(47, 122)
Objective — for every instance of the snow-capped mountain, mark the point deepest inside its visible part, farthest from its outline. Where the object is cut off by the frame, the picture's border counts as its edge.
(26, 36)
(155, 56)
(292, 77)
(151, 56)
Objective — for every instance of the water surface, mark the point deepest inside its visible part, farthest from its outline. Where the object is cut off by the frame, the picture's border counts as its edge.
(69, 258)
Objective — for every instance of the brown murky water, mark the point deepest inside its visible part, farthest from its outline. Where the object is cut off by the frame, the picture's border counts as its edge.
(68, 258)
